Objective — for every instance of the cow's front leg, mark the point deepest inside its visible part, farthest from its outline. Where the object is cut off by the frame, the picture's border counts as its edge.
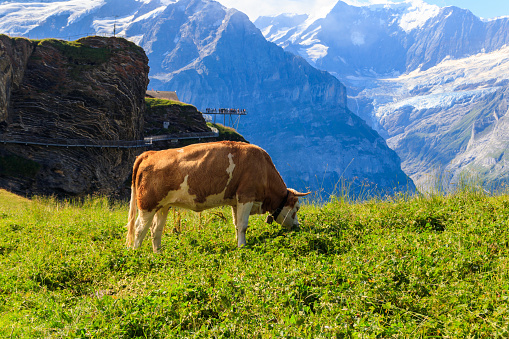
(241, 221)
(142, 225)
(158, 227)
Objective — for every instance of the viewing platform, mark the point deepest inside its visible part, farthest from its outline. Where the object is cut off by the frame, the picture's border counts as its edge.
(231, 112)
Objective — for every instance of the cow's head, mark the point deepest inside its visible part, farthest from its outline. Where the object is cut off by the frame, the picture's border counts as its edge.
(288, 215)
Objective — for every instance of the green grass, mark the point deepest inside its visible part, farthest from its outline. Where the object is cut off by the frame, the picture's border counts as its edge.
(405, 267)
(154, 103)
(78, 53)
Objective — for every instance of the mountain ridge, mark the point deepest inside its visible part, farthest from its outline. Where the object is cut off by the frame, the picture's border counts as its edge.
(420, 33)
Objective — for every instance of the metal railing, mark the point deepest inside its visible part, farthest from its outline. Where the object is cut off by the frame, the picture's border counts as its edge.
(77, 143)
(146, 142)
(181, 136)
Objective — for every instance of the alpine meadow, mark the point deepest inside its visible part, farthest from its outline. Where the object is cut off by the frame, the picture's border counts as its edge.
(408, 267)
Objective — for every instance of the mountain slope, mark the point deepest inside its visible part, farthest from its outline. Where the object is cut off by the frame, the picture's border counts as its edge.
(215, 57)
(428, 79)
(448, 119)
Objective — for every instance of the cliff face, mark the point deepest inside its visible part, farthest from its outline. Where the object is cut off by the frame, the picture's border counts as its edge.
(53, 91)
(91, 88)
(14, 54)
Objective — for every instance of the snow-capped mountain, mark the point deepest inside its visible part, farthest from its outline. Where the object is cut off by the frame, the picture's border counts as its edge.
(419, 74)
(215, 57)
(383, 39)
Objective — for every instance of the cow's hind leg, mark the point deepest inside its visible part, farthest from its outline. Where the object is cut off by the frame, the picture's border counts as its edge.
(143, 223)
(158, 227)
(241, 221)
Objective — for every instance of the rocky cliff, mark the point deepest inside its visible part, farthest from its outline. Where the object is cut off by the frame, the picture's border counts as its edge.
(89, 92)
(164, 116)
(171, 124)
(14, 55)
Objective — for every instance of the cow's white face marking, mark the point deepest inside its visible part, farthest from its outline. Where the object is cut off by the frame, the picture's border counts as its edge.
(288, 216)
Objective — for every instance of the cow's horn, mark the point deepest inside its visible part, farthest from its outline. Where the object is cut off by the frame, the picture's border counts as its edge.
(298, 194)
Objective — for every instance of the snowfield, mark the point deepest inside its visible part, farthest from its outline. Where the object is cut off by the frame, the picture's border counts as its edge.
(442, 86)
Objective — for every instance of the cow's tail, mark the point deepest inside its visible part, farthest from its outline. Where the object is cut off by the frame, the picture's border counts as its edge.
(132, 206)
(131, 218)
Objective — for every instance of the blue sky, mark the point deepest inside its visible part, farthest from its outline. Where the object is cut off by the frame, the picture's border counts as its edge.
(253, 8)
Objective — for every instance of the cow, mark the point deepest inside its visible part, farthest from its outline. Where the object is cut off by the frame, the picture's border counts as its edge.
(203, 176)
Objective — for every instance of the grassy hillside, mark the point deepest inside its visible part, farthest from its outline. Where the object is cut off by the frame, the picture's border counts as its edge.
(406, 267)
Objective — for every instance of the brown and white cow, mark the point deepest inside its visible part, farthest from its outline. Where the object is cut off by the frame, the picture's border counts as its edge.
(203, 176)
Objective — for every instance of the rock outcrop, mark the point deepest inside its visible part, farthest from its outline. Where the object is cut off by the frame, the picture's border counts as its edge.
(89, 91)
(14, 54)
